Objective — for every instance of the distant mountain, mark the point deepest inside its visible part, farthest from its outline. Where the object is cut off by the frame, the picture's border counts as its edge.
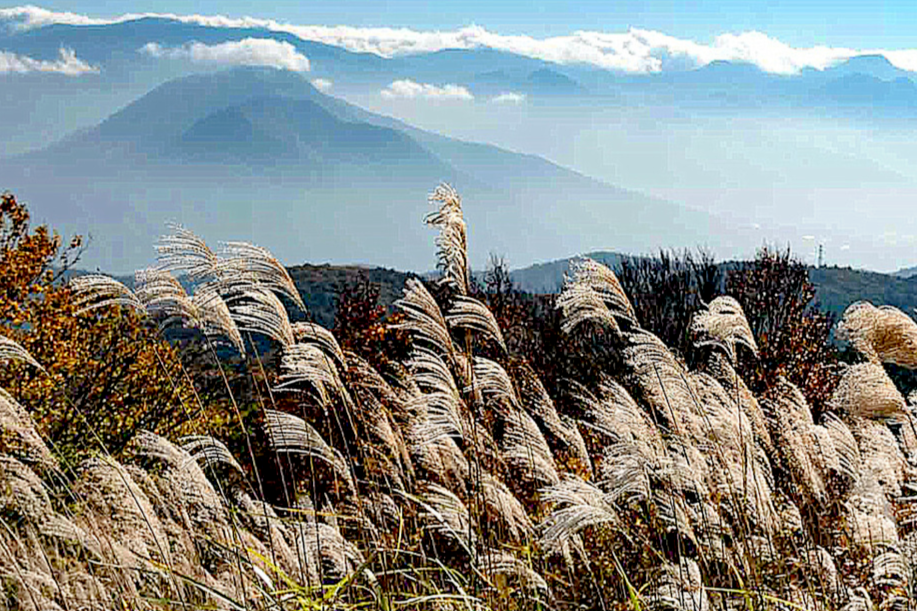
(906, 272)
(261, 155)
(876, 66)
(836, 287)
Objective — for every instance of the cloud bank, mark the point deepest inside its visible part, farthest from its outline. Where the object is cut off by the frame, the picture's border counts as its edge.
(410, 90)
(634, 51)
(67, 64)
(509, 98)
(248, 52)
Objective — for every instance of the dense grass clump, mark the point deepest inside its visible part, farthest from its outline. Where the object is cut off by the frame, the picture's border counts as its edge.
(676, 437)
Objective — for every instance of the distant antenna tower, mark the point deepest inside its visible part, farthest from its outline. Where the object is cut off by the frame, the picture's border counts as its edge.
(821, 255)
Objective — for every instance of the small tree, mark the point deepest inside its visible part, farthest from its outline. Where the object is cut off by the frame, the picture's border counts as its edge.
(108, 373)
(666, 291)
(793, 335)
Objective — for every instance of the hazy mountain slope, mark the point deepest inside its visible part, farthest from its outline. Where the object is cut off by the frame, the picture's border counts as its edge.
(262, 155)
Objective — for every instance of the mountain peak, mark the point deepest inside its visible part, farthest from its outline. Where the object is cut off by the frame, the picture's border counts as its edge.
(875, 65)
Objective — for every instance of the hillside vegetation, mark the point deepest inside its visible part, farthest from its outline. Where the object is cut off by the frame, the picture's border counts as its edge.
(477, 448)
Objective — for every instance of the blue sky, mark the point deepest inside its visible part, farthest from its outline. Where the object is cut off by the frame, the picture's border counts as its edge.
(888, 24)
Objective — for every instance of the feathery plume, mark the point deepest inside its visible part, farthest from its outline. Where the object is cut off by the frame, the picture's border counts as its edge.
(577, 505)
(209, 452)
(723, 324)
(292, 435)
(446, 514)
(246, 265)
(580, 304)
(598, 277)
(10, 350)
(98, 291)
(424, 320)
(865, 390)
(322, 337)
(452, 243)
(469, 313)
(883, 335)
(262, 312)
(503, 507)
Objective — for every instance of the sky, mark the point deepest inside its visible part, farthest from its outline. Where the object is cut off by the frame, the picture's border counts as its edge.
(888, 24)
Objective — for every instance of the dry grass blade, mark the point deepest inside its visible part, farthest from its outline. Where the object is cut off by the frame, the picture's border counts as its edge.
(262, 312)
(323, 338)
(98, 291)
(424, 320)
(723, 324)
(452, 243)
(598, 277)
(10, 350)
(469, 313)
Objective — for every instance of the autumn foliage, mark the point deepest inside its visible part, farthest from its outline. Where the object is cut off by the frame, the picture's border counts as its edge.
(108, 374)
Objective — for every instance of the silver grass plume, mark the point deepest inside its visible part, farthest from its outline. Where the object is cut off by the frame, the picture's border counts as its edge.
(308, 364)
(452, 242)
(10, 350)
(614, 414)
(845, 445)
(678, 587)
(239, 267)
(865, 390)
(262, 312)
(883, 335)
(209, 452)
(526, 452)
(431, 373)
(494, 382)
(290, 434)
(469, 313)
(98, 291)
(445, 513)
(184, 251)
(561, 431)
(580, 304)
(504, 508)
(600, 278)
(576, 505)
(723, 324)
(499, 562)
(164, 297)
(310, 332)
(424, 320)
(257, 267)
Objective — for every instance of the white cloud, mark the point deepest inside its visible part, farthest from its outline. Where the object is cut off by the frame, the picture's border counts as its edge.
(409, 89)
(67, 64)
(248, 52)
(509, 98)
(635, 50)
(322, 84)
